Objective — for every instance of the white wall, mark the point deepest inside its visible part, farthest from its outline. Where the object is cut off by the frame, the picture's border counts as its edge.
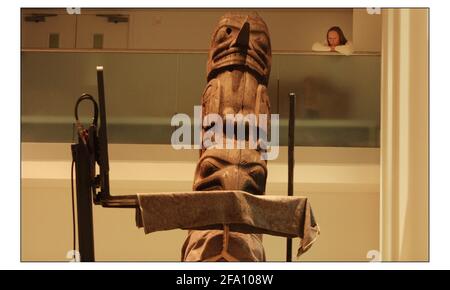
(342, 185)
(180, 29)
(191, 29)
(366, 31)
(290, 29)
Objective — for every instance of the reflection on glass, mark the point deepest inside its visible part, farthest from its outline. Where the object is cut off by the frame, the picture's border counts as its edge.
(337, 97)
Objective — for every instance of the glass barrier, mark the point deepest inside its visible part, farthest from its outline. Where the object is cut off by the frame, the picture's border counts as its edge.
(338, 97)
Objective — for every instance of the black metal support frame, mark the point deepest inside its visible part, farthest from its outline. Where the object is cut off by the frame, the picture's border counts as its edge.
(291, 163)
(94, 149)
(85, 223)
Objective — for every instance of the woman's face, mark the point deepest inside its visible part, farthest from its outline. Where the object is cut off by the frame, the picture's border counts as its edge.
(333, 38)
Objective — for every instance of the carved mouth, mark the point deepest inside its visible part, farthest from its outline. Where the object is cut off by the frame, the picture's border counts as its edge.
(207, 187)
(215, 183)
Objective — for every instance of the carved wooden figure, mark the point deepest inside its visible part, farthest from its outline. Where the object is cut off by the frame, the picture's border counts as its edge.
(238, 71)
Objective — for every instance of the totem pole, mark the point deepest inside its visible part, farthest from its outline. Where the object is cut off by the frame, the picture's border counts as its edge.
(227, 212)
(238, 71)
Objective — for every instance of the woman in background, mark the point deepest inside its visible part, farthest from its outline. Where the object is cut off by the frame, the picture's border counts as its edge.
(336, 41)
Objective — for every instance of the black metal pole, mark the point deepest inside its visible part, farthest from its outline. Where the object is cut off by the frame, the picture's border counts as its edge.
(84, 202)
(291, 145)
(103, 137)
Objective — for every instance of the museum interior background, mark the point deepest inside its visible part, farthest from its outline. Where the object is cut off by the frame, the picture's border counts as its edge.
(361, 130)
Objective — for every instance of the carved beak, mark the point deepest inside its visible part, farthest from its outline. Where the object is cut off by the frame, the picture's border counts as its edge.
(230, 179)
(243, 37)
(235, 179)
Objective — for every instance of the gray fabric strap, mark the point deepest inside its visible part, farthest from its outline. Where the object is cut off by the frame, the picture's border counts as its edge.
(243, 212)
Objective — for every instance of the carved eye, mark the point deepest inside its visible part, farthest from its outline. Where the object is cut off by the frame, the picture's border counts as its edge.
(258, 175)
(223, 34)
(207, 169)
(262, 42)
(220, 36)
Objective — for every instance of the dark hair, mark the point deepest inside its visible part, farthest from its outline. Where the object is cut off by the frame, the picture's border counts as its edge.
(342, 39)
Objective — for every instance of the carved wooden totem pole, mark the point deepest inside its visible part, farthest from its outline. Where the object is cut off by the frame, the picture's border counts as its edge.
(238, 71)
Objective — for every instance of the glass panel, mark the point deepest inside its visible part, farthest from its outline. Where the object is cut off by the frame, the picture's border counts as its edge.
(191, 81)
(338, 99)
(338, 102)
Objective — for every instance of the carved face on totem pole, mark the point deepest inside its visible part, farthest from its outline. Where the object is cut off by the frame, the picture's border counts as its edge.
(221, 169)
(238, 71)
(240, 40)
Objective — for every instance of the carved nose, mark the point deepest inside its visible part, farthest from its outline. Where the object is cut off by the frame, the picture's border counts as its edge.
(243, 37)
(230, 179)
